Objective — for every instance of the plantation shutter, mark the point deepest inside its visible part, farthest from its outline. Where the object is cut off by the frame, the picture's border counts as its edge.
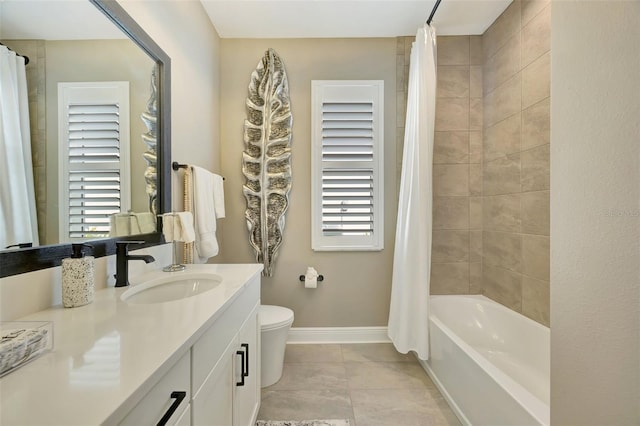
(94, 125)
(347, 165)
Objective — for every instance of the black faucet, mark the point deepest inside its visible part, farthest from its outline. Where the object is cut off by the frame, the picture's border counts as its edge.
(122, 261)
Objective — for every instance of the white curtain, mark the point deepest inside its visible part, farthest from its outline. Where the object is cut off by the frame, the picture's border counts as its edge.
(409, 310)
(18, 223)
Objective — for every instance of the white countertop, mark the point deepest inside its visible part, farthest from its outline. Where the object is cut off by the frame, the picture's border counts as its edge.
(108, 354)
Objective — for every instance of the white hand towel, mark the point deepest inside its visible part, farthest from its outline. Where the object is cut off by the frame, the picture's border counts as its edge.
(167, 226)
(178, 227)
(146, 222)
(204, 214)
(218, 196)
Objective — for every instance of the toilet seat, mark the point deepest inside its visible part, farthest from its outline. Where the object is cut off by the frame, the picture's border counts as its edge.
(274, 317)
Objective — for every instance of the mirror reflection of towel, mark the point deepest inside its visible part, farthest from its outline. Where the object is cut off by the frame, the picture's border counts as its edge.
(123, 224)
(178, 227)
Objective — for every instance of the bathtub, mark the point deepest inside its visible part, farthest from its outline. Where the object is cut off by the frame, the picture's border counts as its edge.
(490, 363)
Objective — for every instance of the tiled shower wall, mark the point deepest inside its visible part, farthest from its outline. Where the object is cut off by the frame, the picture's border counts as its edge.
(491, 160)
(457, 154)
(515, 229)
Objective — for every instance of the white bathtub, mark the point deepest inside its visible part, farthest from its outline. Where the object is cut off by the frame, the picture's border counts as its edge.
(489, 362)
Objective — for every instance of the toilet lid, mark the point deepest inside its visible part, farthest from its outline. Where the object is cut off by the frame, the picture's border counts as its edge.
(274, 316)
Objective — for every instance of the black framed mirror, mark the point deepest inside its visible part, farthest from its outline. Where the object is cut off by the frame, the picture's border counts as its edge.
(31, 259)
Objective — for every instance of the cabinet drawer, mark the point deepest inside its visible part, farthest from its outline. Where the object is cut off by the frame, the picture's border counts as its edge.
(158, 400)
(211, 346)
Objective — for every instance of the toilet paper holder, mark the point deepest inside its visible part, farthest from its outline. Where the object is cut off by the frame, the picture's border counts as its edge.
(320, 278)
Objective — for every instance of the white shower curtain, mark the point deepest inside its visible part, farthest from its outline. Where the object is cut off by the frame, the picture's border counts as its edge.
(18, 223)
(408, 314)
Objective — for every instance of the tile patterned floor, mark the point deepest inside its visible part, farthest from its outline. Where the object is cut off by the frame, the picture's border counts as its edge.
(369, 384)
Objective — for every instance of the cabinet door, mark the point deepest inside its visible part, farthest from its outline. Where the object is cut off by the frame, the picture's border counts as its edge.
(246, 399)
(213, 404)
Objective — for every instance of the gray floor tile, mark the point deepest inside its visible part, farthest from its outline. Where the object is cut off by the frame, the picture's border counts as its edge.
(313, 353)
(305, 405)
(374, 352)
(386, 375)
(402, 407)
(312, 376)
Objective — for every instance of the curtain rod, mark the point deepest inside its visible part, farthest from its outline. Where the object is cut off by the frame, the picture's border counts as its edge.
(26, 58)
(433, 11)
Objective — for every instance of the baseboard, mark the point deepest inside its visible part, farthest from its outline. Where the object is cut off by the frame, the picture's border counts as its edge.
(338, 335)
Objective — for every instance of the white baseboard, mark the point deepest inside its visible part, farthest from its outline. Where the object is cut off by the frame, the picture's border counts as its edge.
(338, 335)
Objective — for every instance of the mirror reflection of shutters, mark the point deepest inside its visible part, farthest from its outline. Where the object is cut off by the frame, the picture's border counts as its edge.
(96, 165)
(94, 168)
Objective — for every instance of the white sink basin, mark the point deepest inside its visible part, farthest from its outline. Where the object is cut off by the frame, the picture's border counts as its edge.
(175, 286)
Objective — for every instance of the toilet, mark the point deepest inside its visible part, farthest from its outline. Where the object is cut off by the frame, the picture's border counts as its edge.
(275, 322)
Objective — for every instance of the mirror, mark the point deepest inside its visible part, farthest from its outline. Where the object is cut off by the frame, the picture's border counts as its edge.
(142, 55)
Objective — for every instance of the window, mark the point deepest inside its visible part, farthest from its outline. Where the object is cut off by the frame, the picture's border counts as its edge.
(94, 157)
(347, 199)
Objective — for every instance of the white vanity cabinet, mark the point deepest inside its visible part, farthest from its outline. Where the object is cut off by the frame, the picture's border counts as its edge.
(219, 375)
(225, 367)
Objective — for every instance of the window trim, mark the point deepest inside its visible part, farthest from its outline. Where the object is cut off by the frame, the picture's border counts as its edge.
(325, 91)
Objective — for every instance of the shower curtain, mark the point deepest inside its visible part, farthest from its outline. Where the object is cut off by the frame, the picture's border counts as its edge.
(18, 223)
(408, 314)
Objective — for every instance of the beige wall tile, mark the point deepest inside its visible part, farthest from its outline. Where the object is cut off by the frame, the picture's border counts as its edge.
(475, 147)
(475, 179)
(502, 249)
(400, 73)
(503, 65)
(535, 213)
(453, 50)
(450, 213)
(503, 102)
(449, 278)
(536, 300)
(475, 114)
(475, 81)
(534, 174)
(535, 256)
(475, 278)
(451, 148)
(536, 81)
(475, 246)
(503, 286)
(536, 125)
(475, 212)
(501, 213)
(451, 179)
(503, 138)
(530, 8)
(453, 81)
(452, 114)
(450, 246)
(536, 36)
(400, 107)
(502, 176)
(501, 30)
(475, 50)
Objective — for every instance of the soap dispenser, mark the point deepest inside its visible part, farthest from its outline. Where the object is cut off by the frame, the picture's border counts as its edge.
(77, 277)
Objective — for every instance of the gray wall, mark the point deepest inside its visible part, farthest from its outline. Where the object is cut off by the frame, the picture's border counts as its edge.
(595, 213)
(357, 285)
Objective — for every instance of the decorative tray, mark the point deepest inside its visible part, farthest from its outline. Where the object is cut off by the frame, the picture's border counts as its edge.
(22, 341)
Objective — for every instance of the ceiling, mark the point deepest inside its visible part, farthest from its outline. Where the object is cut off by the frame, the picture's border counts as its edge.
(348, 18)
(79, 19)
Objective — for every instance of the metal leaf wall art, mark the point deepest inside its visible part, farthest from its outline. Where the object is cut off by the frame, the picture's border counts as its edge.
(150, 119)
(266, 160)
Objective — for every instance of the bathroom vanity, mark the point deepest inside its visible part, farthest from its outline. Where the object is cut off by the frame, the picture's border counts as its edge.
(145, 360)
